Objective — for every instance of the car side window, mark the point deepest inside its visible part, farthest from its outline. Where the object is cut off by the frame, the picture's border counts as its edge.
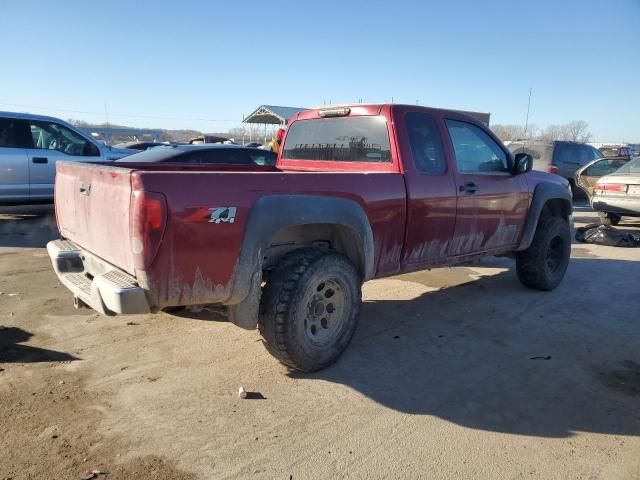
(585, 155)
(52, 136)
(603, 167)
(263, 157)
(566, 154)
(426, 147)
(14, 133)
(476, 152)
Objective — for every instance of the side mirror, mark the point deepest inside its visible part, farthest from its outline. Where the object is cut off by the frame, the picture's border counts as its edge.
(524, 163)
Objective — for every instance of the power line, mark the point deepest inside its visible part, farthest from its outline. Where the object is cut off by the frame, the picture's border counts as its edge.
(124, 115)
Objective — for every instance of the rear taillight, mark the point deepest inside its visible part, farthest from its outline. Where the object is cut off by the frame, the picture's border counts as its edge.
(611, 187)
(148, 221)
(552, 169)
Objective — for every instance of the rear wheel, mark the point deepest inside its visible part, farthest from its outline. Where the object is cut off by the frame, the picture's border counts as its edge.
(542, 266)
(609, 218)
(310, 308)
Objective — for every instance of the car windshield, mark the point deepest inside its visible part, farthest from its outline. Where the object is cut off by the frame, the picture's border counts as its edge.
(631, 168)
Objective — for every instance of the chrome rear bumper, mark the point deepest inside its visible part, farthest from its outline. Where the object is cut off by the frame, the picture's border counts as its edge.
(95, 282)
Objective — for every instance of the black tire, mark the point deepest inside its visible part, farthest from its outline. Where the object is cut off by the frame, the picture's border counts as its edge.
(542, 266)
(609, 218)
(309, 308)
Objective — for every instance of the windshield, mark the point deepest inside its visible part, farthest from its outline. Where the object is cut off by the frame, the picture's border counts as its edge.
(631, 168)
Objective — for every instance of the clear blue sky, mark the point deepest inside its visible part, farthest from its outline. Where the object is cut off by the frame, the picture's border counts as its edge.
(185, 64)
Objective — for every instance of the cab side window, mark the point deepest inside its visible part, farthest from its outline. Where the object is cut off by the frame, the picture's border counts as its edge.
(476, 152)
(52, 136)
(426, 148)
(14, 133)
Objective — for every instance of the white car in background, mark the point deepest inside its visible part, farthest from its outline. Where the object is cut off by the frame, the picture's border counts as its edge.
(617, 195)
(30, 146)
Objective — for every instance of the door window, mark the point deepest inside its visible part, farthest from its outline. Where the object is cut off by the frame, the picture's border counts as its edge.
(476, 152)
(52, 136)
(428, 156)
(603, 167)
(14, 133)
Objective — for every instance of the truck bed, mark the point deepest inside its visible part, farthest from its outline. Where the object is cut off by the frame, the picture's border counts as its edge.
(195, 256)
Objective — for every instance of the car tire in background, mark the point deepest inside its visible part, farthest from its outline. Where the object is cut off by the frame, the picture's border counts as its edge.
(542, 266)
(309, 308)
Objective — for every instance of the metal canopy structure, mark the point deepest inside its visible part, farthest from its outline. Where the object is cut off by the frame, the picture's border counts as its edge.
(272, 115)
(135, 133)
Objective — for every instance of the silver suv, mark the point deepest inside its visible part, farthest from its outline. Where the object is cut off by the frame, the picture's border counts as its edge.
(560, 157)
(30, 146)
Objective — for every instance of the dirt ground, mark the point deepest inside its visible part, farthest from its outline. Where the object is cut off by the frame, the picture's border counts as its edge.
(453, 373)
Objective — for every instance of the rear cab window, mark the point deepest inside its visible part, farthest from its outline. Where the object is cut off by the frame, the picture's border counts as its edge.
(359, 141)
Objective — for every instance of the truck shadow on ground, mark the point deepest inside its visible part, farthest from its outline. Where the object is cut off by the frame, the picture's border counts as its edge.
(12, 352)
(492, 355)
(27, 226)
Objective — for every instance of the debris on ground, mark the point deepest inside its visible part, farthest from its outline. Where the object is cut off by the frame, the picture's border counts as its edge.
(89, 474)
(242, 392)
(606, 235)
(540, 357)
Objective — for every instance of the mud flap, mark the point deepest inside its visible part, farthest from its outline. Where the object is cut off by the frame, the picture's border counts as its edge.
(245, 313)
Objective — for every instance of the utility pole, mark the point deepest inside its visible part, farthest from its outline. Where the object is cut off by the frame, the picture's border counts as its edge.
(526, 122)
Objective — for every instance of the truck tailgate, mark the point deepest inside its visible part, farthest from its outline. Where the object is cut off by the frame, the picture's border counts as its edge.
(92, 210)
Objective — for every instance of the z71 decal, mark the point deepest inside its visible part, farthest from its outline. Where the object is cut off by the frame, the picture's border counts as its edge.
(222, 215)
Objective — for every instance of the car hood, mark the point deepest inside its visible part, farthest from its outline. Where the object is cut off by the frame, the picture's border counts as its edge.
(116, 153)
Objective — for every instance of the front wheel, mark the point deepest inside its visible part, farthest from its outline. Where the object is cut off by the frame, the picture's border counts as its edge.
(542, 266)
(309, 310)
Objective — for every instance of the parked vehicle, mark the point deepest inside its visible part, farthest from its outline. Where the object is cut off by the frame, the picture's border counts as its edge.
(216, 153)
(30, 146)
(139, 145)
(617, 195)
(617, 152)
(358, 192)
(559, 157)
(587, 176)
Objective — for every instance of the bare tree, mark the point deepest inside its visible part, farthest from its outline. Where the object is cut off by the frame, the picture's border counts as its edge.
(514, 132)
(577, 131)
(551, 133)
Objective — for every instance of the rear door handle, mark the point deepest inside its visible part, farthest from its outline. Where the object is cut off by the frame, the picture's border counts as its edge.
(40, 160)
(469, 188)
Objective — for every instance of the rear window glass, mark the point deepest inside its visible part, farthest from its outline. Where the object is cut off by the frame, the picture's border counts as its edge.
(631, 168)
(350, 139)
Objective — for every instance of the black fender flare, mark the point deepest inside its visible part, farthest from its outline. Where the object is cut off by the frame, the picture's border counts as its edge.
(541, 195)
(272, 213)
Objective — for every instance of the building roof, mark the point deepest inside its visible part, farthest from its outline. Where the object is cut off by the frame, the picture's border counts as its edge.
(272, 114)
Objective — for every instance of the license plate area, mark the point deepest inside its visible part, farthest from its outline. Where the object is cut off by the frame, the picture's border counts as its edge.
(634, 190)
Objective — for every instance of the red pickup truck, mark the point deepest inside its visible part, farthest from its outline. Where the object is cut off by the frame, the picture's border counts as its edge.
(358, 192)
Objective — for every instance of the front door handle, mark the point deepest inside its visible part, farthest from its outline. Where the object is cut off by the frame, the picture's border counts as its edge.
(469, 188)
(40, 160)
